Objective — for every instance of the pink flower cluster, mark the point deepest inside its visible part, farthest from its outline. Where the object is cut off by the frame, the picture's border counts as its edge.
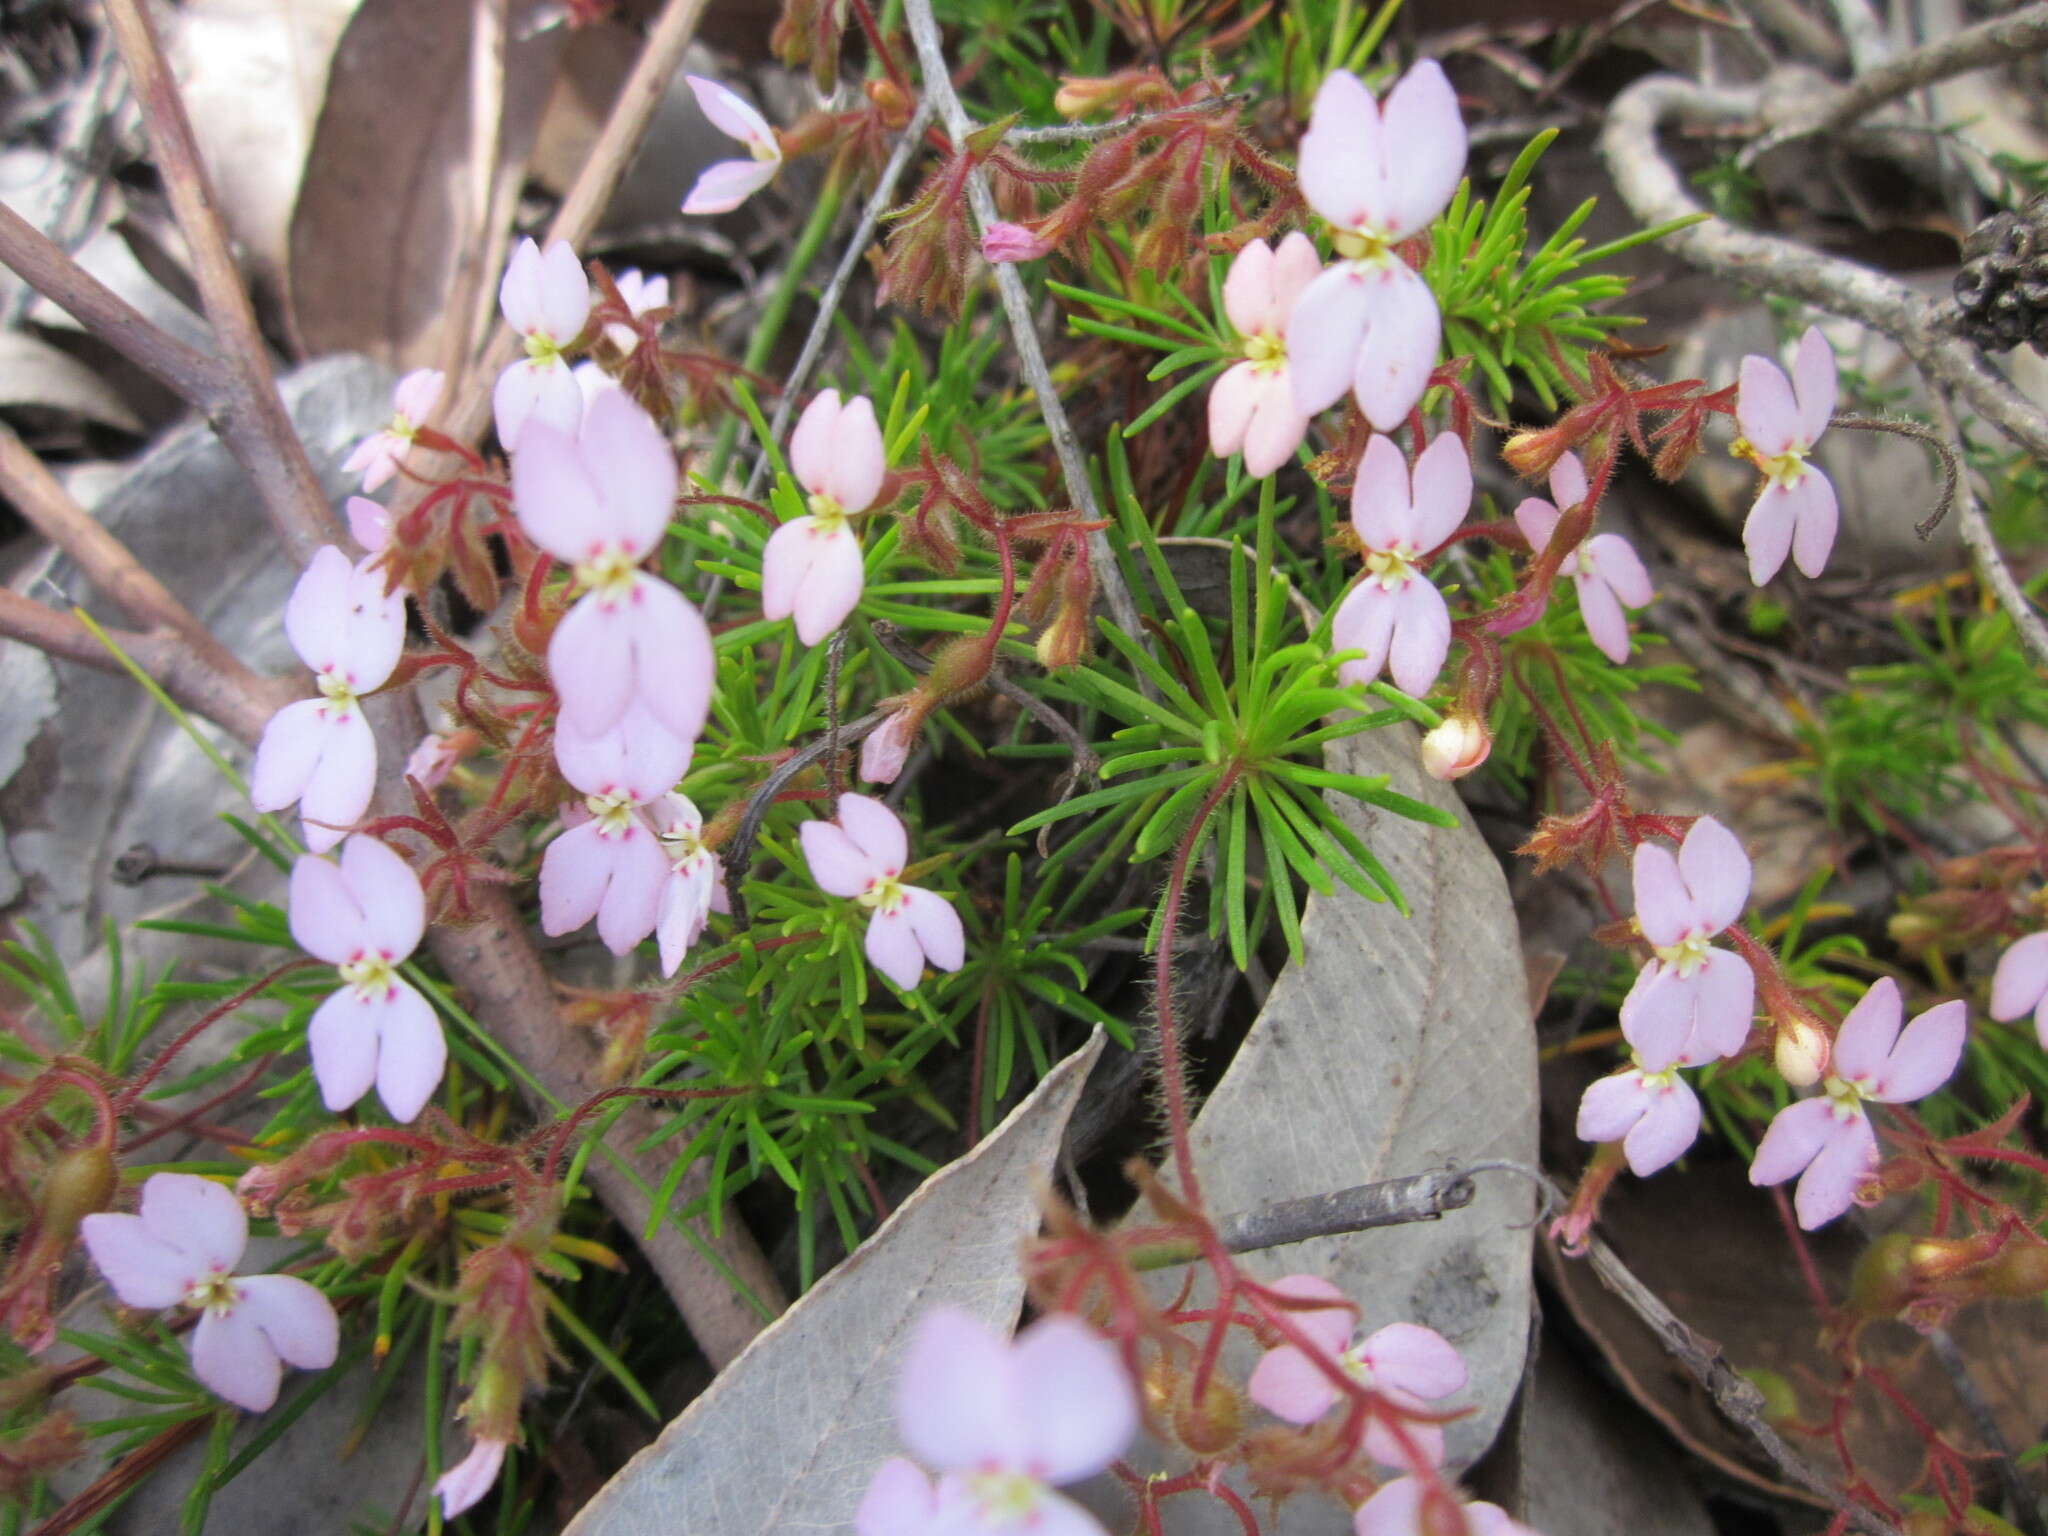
(862, 855)
(1004, 1423)
(182, 1250)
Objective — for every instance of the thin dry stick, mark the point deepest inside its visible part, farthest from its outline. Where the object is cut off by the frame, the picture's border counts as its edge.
(1975, 530)
(252, 420)
(467, 319)
(938, 84)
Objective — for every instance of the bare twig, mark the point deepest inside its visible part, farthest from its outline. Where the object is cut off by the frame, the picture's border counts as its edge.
(739, 853)
(1975, 530)
(251, 417)
(938, 84)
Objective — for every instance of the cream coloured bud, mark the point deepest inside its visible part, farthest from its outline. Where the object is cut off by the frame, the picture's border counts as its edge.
(1456, 747)
(1800, 1052)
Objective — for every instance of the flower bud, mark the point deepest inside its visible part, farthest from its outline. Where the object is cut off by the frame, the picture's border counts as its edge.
(1004, 241)
(890, 101)
(1211, 1427)
(1455, 747)
(1800, 1051)
(80, 1181)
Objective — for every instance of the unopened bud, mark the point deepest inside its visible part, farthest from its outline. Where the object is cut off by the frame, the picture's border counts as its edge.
(1211, 1427)
(891, 103)
(887, 747)
(80, 1181)
(1455, 747)
(1800, 1052)
(1004, 241)
(1080, 95)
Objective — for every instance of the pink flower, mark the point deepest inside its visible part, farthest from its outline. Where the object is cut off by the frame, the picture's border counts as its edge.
(1781, 420)
(320, 752)
(1407, 1364)
(377, 457)
(1828, 1138)
(1653, 1114)
(1396, 613)
(1251, 407)
(1380, 173)
(463, 1485)
(608, 865)
(887, 747)
(437, 756)
(862, 855)
(1004, 241)
(600, 502)
(695, 887)
(546, 299)
(366, 917)
(183, 1248)
(637, 759)
(1004, 1422)
(812, 565)
(1605, 568)
(641, 294)
(724, 186)
(1693, 1003)
(1396, 1510)
(2020, 984)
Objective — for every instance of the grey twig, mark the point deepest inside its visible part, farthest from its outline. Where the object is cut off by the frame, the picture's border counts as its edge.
(2024, 1503)
(1975, 530)
(938, 84)
(1388, 1203)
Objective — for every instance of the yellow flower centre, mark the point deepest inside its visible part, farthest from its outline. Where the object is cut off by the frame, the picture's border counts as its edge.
(885, 893)
(1660, 1079)
(216, 1293)
(610, 573)
(1787, 468)
(403, 427)
(612, 813)
(683, 844)
(1266, 352)
(831, 517)
(1391, 568)
(370, 974)
(1363, 245)
(543, 348)
(1687, 955)
(337, 690)
(1004, 1498)
(1844, 1097)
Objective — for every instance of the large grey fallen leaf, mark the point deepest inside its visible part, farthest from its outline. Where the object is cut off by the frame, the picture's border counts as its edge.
(787, 1437)
(34, 373)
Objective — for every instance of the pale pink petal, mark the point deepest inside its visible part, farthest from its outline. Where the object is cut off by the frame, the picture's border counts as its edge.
(1232, 399)
(1414, 1359)
(1664, 907)
(373, 635)
(535, 392)
(685, 909)
(295, 1317)
(1004, 241)
(1277, 428)
(1424, 138)
(785, 561)
(1724, 1004)
(327, 921)
(1828, 1188)
(1814, 383)
(463, 1486)
(839, 865)
(637, 759)
(234, 1360)
(1618, 564)
(1568, 485)
(554, 496)
(730, 113)
(1403, 332)
(316, 615)
(1603, 618)
(1657, 1015)
(1328, 1327)
(338, 792)
(1716, 871)
(387, 890)
(375, 458)
(858, 461)
(144, 1270)
(635, 471)
(956, 1397)
(1248, 290)
(1382, 509)
(590, 659)
(1342, 164)
(1670, 1124)
(1926, 1056)
(1767, 531)
(1290, 1386)
(632, 899)
(1425, 1443)
(673, 662)
(1054, 1515)
(810, 445)
(892, 948)
(368, 523)
(2021, 980)
(342, 1038)
(564, 293)
(418, 393)
(1792, 1141)
(574, 871)
(1074, 1400)
(831, 584)
(1364, 622)
(1422, 637)
(203, 1218)
(1815, 519)
(1764, 407)
(1395, 1510)
(519, 289)
(724, 186)
(412, 1053)
(937, 927)
(1296, 264)
(1537, 519)
(1610, 1108)
(1324, 334)
(1443, 490)
(1865, 1040)
(899, 1501)
(887, 748)
(877, 830)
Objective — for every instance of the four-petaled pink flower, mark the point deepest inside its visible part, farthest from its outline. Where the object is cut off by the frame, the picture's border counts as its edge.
(1252, 407)
(1652, 1113)
(724, 186)
(463, 1486)
(2020, 984)
(609, 865)
(1004, 1423)
(1379, 172)
(183, 1248)
(641, 294)
(862, 855)
(377, 457)
(1396, 1510)
(366, 916)
(812, 566)
(1781, 420)
(1694, 1002)
(1605, 568)
(321, 752)
(600, 501)
(1827, 1139)
(1396, 615)
(696, 879)
(546, 299)
(1408, 1365)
